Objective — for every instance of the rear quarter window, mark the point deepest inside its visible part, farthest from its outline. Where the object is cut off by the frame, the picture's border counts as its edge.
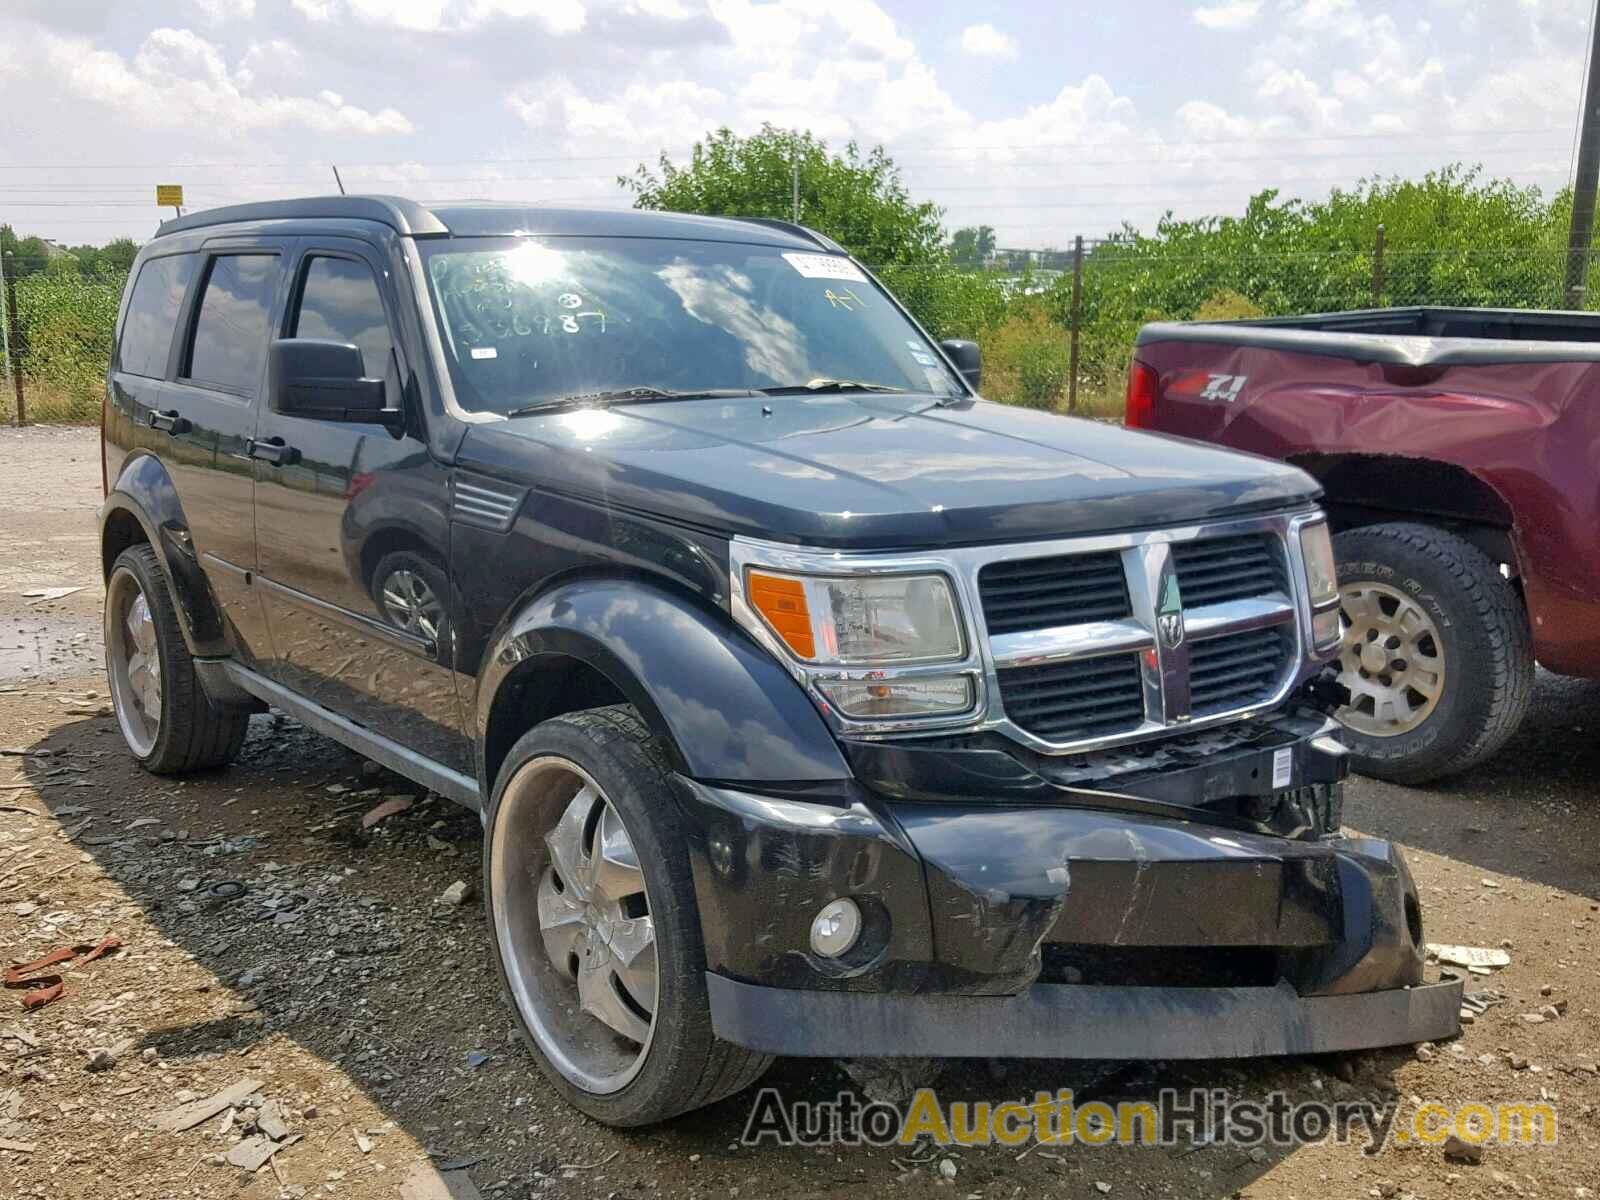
(231, 327)
(153, 314)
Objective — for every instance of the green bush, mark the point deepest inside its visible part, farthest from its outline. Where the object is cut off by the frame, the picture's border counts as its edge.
(1026, 359)
(1228, 305)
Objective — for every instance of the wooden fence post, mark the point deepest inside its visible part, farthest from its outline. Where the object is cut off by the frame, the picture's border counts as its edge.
(13, 337)
(1077, 313)
(1377, 269)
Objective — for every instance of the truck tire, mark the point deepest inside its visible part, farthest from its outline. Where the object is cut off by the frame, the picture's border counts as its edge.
(596, 932)
(167, 719)
(1437, 652)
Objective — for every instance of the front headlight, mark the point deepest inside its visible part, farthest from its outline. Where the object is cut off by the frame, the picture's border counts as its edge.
(1322, 583)
(868, 620)
(871, 646)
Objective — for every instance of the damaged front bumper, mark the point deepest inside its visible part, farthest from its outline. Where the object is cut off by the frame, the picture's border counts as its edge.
(1044, 928)
(1079, 1021)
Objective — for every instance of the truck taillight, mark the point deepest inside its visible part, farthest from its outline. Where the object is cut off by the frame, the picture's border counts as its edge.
(1140, 412)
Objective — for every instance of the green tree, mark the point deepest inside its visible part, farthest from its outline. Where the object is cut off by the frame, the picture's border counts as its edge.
(857, 199)
(972, 246)
(28, 254)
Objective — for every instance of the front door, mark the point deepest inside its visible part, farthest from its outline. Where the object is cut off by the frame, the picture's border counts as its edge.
(352, 533)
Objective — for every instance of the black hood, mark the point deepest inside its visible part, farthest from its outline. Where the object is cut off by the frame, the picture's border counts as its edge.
(873, 471)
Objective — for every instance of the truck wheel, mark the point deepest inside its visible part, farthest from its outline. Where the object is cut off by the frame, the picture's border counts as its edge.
(596, 929)
(1437, 653)
(167, 719)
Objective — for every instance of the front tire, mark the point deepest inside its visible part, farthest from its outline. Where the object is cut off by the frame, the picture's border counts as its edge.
(166, 718)
(1436, 652)
(596, 930)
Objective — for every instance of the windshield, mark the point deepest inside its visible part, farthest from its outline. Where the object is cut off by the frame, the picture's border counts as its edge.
(533, 320)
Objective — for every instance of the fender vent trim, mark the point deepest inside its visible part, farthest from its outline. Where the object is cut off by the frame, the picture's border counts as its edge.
(484, 503)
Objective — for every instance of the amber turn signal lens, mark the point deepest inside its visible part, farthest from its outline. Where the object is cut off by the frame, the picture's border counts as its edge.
(782, 602)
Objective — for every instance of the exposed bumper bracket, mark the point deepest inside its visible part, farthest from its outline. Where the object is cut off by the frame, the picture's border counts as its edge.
(1077, 1021)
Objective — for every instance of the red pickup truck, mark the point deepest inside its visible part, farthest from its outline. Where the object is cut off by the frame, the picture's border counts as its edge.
(1459, 451)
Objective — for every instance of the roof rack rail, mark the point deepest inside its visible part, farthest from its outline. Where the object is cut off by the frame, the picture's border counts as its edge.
(794, 227)
(405, 217)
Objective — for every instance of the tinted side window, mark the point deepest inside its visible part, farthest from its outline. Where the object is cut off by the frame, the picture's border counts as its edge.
(340, 301)
(152, 313)
(230, 331)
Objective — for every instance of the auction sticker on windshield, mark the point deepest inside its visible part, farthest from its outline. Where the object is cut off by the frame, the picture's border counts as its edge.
(825, 266)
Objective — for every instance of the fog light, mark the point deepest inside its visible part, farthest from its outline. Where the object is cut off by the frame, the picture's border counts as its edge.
(835, 928)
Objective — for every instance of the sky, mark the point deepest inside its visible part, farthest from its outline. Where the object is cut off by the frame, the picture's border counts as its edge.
(1044, 119)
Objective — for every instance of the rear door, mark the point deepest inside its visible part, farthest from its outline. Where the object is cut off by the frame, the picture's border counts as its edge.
(352, 533)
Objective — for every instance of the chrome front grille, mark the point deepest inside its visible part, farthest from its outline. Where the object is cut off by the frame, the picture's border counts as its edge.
(1037, 593)
(1217, 570)
(1236, 669)
(1080, 698)
(1083, 655)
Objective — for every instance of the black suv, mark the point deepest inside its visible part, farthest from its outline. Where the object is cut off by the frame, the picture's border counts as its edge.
(813, 705)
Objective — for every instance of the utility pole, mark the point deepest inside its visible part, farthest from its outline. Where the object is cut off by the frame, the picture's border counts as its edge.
(1585, 186)
(794, 201)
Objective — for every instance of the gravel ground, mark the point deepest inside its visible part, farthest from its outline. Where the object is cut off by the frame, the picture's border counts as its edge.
(328, 981)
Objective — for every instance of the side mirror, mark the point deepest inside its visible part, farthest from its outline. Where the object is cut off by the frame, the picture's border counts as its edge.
(325, 381)
(967, 358)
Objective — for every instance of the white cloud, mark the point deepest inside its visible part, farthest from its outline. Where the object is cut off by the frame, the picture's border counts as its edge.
(216, 12)
(1314, 93)
(1229, 14)
(177, 79)
(276, 59)
(985, 41)
(451, 16)
(664, 10)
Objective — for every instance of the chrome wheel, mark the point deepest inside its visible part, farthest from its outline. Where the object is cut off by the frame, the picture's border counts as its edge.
(574, 924)
(133, 662)
(1391, 659)
(411, 604)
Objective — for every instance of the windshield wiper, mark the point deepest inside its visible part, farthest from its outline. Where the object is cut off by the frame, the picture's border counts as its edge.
(632, 395)
(828, 385)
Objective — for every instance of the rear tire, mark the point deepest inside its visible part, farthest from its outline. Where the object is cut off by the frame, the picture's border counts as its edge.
(166, 718)
(557, 925)
(1437, 652)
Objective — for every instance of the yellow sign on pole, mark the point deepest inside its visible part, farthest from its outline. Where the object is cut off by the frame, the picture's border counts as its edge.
(169, 195)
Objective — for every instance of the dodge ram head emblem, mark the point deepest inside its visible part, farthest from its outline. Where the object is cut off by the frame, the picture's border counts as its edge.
(1169, 613)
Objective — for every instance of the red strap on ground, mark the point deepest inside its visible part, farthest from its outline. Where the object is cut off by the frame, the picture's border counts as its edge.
(104, 946)
(47, 983)
(23, 975)
(39, 997)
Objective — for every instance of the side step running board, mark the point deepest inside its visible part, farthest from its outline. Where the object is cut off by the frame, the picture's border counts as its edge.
(440, 778)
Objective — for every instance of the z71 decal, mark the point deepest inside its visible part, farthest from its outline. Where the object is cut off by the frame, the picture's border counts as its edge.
(1224, 387)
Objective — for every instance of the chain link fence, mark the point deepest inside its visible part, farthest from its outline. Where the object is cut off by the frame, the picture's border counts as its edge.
(1022, 310)
(60, 339)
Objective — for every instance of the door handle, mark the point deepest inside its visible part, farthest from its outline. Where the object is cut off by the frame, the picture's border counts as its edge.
(169, 420)
(273, 450)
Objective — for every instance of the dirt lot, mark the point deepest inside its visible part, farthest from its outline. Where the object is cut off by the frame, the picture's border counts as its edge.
(367, 1010)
